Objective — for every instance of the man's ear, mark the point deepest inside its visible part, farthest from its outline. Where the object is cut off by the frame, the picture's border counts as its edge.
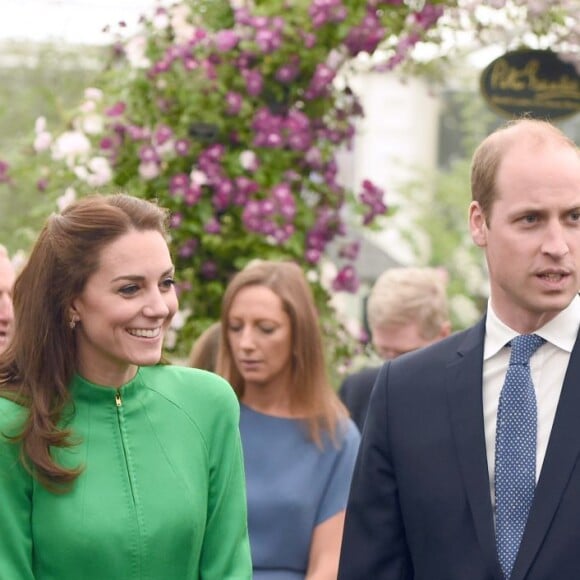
(477, 224)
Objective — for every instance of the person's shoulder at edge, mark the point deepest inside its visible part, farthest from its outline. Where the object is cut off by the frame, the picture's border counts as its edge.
(363, 375)
(429, 359)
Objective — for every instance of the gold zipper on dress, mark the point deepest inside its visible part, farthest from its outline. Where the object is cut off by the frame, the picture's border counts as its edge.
(118, 400)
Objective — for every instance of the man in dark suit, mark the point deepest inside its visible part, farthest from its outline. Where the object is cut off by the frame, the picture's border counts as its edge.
(427, 500)
(406, 310)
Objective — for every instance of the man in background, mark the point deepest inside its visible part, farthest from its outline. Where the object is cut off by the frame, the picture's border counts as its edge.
(7, 278)
(406, 310)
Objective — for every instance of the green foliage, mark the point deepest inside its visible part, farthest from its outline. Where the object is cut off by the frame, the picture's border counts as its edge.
(178, 106)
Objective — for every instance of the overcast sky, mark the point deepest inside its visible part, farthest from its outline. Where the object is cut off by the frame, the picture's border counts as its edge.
(68, 20)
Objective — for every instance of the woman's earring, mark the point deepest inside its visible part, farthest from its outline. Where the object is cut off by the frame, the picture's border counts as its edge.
(73, 322)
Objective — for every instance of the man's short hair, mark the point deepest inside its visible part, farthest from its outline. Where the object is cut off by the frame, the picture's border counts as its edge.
(402, 296)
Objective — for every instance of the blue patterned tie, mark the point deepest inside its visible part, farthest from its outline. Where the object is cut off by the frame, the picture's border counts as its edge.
(515, 450)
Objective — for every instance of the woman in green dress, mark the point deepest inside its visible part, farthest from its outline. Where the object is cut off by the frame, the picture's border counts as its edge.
(112, 465)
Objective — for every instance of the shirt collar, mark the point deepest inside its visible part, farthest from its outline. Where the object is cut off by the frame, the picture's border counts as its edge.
(561, 331)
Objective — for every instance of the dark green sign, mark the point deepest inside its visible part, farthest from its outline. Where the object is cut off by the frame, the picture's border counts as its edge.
(534, 82)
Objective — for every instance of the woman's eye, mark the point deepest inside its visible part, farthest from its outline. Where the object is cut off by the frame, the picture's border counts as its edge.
(129, 290)
(168, 283)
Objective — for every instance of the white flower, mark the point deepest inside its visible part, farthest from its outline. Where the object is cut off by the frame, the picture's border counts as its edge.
(40, 125)
(93, 94)
(101, 172)
(248, 160)
(66, 199)
(180, 318)
(87, 107)
(135, 52)
(149, 170)
(170, 339)
(198, 177)
(96, 173)
(235, 4)
(160, 21)
(72, 146)
(81, 172)
(167, 149)
(182, 29)
(92, 124)
(42, 141)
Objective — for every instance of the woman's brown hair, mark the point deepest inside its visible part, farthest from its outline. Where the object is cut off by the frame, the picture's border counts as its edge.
(37, 367)
(311, 392)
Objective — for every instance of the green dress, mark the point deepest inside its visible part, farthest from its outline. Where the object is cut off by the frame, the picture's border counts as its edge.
(162, 494)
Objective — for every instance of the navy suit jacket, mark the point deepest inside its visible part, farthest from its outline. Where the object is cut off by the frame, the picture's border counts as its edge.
(355, 393)
(420, 504)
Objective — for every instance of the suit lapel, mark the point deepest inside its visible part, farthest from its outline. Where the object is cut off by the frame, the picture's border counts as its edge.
(561, 456)
(464, 389)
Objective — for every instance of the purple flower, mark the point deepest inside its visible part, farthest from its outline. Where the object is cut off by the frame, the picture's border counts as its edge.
(288, 72)
(137, 133)
(147, 154)
(182, 147)
(319, 84)
(366, 36)
(350, 251)
(213, 226)
(254, 82)
(108, 143)
(325, 11)
(372, 196)
(188, 248)
(226, 40)
(192, 194)
(178, 184)
(428, 16)
(209, 270)
(162, 134)
(4, 169)
(346, 280)
(244, 189)
(314, 158)
(223, 194)
(116, 110)
(268, 40)
(234, 103)
(175, 220)
(312, 256)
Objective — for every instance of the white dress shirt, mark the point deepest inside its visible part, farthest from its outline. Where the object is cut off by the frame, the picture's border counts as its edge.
(548, 367)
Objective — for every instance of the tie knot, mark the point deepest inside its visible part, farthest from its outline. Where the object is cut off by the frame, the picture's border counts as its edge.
(523, 347)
